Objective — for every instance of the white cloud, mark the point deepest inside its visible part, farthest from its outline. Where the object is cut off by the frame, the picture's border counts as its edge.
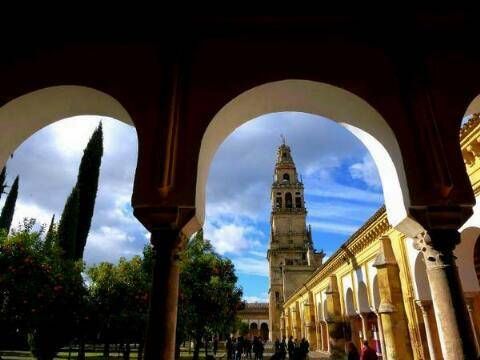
(109, 244)
(334, 228)
(232, 238)
(251, 266)
(30, 210)
(263, 298)
(366, 170)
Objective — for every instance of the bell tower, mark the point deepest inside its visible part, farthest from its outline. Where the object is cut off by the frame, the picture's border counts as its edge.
(291, 256)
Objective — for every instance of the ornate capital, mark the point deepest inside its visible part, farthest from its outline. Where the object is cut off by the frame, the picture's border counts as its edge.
(386, 308)
(437, 247)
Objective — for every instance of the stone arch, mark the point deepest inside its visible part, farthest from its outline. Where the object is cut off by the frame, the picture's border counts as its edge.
(468, 258)
(264, 330)
(327, 101)
(362, 297)
(473, 107)
(422, 286)
(23, 116)
(349, 303)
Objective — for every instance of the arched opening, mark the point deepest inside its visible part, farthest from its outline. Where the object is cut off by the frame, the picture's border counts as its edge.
(264, 331)
(47, 132)
(288, 200)
(326, 101)
(253, 329)
(286, 177)
(476, 259)
(23, 116)
(349, 303)
(363, 298)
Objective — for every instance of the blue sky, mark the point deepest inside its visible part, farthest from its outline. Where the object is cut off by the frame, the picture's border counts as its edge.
(342, 187)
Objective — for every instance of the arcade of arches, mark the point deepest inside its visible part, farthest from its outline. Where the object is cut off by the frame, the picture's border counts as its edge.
(376, 285)
(402, 87)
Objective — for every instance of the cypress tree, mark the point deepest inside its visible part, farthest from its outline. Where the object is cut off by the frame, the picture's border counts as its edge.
(67, 228)
(87, 184)
(2, 181)
(9, 207)
(51, 233)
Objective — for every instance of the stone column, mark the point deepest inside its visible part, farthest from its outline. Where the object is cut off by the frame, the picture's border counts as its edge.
(318, 335)
(391, 309)
(335, 323)
(469, 302)
(454, 328)
(282, 325)
(365, 333)
(162, 319)
(425, 306)
(309, 316)
(380, 336)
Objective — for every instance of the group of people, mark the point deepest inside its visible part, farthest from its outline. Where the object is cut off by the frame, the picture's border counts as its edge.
(243, 348)
(367, 353)
(297, 350)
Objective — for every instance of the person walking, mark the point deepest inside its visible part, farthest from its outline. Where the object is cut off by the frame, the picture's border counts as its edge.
(290, 347)
(304, 348)
(367, 352)
(283, 349)
(352, 352)
(229, 347)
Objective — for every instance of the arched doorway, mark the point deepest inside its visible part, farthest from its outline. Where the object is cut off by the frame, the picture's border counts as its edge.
(264, 331)
(253, 329)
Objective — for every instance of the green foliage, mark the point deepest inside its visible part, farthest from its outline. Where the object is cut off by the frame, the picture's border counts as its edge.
(208, 296)
(120, 296)
(40, 292)
(51, 236)
(87, 184)
(243, 328)
(67, 228)
(9, 207)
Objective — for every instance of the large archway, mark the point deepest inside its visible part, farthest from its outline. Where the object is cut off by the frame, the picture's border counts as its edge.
(329, 102)
(27, 114)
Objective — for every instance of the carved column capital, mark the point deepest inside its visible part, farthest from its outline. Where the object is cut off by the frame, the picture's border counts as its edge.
(437, 247)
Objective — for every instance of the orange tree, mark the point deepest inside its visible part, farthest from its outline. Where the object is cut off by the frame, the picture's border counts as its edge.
(119, 296)
(40, 293)
(208, 294)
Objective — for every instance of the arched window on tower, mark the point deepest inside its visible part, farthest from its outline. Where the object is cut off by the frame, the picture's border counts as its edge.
(278, 202)
(286, 176)
(288, 200)
(298, 202)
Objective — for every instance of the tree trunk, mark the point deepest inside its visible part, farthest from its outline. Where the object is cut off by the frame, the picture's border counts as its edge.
(177, 351)
(196, 350)
(106, 350)
(81, 349)
(140, 351)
